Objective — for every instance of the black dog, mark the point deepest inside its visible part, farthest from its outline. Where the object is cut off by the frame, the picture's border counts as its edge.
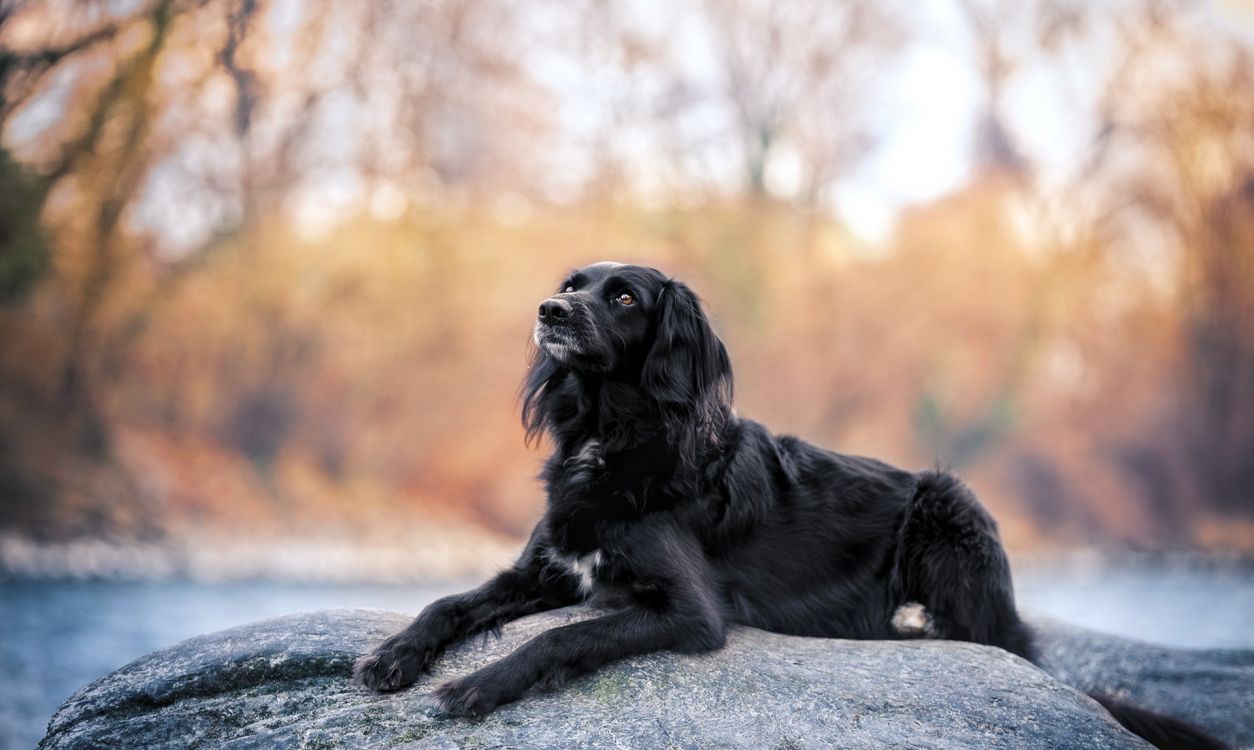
(684, 518)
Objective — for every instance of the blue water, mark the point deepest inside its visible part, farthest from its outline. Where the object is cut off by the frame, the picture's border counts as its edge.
(57, 636)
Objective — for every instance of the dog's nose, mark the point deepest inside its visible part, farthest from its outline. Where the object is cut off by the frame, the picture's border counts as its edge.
(553, 310)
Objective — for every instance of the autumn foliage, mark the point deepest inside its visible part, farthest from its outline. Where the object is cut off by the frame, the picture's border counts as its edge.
(192, 345)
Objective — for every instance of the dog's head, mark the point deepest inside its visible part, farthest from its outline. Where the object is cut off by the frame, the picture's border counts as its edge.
(632, 324)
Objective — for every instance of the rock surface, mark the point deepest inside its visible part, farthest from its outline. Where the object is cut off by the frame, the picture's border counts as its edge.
(283, 683)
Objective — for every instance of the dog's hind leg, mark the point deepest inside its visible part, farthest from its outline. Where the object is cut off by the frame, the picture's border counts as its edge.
(953, 569)
(952, 563)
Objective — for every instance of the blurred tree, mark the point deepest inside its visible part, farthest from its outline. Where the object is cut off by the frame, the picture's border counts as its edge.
(1005, 36)
(797, 75)
(754, 97)
(1173, 166)
(173, 149)
(989, 23)
(23, 247)
(260, 219)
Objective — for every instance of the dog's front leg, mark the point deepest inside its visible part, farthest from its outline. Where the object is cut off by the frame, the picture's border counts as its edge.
(674, 609)
(521, 590)
(555, 655)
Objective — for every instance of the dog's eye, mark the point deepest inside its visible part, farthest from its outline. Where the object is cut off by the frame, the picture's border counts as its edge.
(569, 288)
(625, 299)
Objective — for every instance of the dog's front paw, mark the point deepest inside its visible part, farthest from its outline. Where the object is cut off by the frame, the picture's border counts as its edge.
(471, 696)
(391, 666)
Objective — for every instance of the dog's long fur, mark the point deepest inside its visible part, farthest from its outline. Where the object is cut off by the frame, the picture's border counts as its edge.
(685, 519)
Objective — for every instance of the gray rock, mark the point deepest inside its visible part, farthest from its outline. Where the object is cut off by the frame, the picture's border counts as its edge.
(1213, 688)
(283, 683)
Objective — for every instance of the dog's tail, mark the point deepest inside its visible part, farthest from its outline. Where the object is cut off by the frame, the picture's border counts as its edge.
(1162, 732)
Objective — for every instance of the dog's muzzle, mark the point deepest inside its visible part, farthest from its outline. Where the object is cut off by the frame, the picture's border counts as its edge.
(553, 331)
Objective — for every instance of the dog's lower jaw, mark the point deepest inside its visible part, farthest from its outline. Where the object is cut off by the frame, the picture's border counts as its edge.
(547, 340)
(563, 353)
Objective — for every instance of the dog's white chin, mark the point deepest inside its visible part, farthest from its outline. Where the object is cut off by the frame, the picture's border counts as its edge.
(558, 350)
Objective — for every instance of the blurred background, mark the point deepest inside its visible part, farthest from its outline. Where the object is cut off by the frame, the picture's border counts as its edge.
(268, 270)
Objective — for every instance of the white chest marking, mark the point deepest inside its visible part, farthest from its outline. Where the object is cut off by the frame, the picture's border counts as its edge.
(583, 568)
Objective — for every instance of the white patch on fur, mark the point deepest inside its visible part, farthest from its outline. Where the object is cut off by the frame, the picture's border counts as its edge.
(586, 568)
(912, 619)
(583, 567)
(560, 352)
(589, 454)
(555, 349)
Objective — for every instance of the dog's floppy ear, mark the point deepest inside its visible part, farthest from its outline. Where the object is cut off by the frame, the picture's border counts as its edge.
(542, 373)
(687, 370)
